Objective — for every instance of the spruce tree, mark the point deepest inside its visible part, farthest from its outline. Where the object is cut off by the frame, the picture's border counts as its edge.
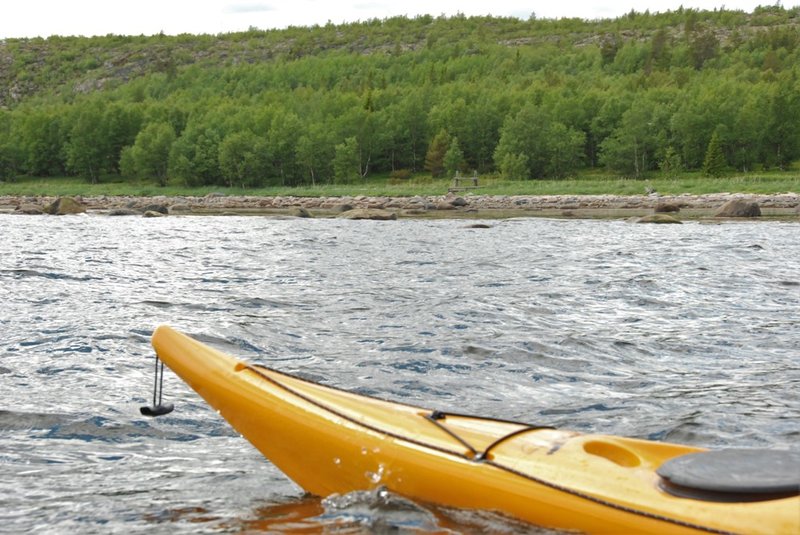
(714, 163)
(434, 159)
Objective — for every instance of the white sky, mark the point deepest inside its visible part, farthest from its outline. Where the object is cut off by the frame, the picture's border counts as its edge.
(42, 18)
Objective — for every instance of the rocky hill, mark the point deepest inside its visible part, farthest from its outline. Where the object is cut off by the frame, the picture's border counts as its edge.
(69, 65)
(642, 94)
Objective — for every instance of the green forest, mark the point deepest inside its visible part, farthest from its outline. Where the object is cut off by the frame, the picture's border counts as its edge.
(641, 95)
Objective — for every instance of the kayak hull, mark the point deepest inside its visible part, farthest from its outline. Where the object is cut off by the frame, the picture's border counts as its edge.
(331, 441)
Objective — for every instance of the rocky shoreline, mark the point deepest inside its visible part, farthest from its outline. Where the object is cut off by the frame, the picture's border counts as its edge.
(471, 205)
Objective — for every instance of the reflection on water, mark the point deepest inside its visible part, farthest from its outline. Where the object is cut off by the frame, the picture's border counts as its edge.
(376, 511)
(297, 516)
(684, 333)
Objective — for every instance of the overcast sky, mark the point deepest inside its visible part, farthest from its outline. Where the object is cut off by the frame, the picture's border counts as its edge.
(42, 18)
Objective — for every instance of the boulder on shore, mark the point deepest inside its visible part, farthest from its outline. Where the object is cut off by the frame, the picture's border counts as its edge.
(341, 208)
(153, 213)
(29, 209)
(658, 219)
(123, 211)
(738, 208)
(65, 206)
(369, 213)
(298, 211)
(666, 207)
(161, 208)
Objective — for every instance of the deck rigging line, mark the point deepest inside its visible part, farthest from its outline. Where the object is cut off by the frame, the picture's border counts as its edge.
(436, 417)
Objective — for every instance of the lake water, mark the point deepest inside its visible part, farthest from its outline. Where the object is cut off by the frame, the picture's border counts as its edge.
(685, 333)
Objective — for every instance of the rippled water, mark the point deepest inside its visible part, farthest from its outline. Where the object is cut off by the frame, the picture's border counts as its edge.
(687, 333)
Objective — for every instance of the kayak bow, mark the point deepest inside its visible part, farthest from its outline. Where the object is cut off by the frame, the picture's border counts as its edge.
(332, 441)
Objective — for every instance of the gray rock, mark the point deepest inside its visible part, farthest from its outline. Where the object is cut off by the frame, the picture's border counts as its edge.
(298, 211)
(123, 211)
(658, 218)
(459, 201)
(29, 209)
(739, 208)
(65, 206)
(341, 208)
(162, 208)
(153, 213)
(369, 213)
(666, 207)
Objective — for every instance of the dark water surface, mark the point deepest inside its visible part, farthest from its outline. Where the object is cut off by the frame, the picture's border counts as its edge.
(686, 333)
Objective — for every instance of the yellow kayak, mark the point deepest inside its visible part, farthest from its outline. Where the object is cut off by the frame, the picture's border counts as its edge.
(332, 441)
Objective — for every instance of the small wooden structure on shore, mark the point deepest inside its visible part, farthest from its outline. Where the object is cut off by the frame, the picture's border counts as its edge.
(460, 182)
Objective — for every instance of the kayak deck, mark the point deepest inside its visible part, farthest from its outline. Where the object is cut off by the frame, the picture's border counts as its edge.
(332, 441)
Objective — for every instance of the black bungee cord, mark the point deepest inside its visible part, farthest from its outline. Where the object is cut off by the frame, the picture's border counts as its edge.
(158, 409)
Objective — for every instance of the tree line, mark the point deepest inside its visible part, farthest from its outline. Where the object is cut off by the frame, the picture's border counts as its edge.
(661, 93)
